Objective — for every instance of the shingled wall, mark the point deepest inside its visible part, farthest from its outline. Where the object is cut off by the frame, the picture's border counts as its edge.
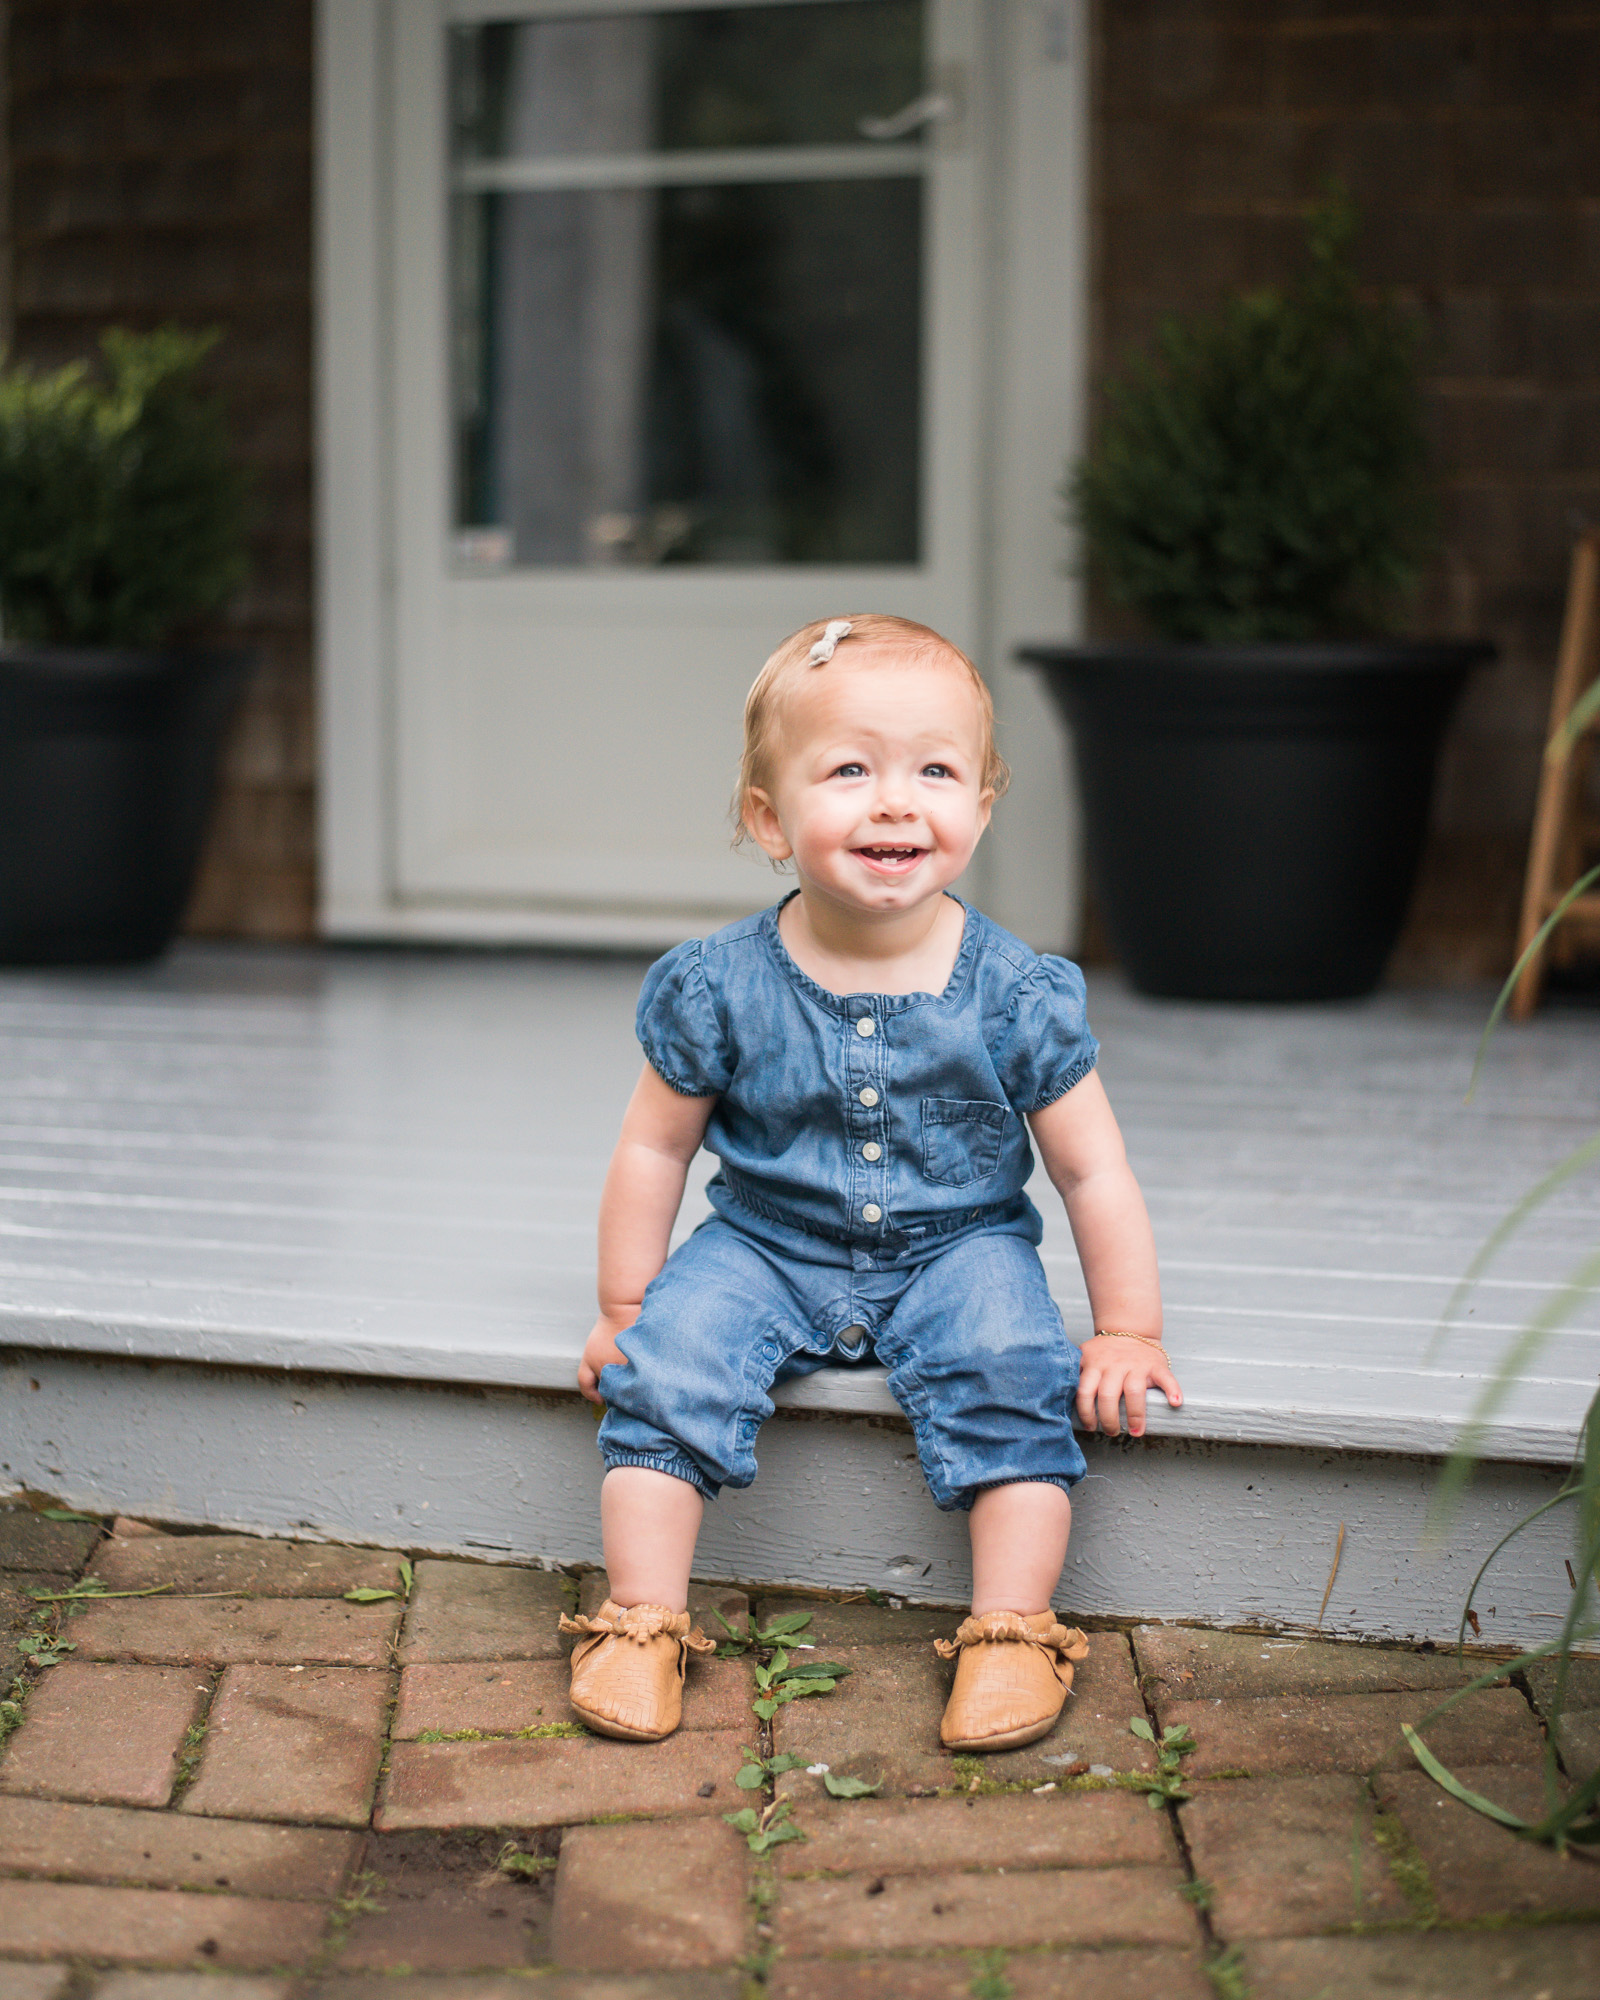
(1470, 138)
(161, 170)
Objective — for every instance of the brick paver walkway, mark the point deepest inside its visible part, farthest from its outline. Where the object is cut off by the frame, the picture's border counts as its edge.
(251, 1785)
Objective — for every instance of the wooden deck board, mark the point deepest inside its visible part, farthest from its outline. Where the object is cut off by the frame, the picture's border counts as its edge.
(387, 1164)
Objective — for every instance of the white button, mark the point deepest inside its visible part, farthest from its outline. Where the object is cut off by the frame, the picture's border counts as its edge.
(871, 1150)
(872, 1212)
(866, 1025)
(869, 1095)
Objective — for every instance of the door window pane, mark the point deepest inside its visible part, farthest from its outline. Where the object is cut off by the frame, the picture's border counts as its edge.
(723, 370)
(736, 76)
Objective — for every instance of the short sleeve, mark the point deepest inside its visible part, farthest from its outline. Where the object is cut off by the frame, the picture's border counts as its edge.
(1045, 1046)
(678, 1027)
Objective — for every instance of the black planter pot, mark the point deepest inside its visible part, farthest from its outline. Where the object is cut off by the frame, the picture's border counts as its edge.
(108, 762)
(1256, 813)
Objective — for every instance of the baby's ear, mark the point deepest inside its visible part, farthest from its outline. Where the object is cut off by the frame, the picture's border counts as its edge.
(761, 822)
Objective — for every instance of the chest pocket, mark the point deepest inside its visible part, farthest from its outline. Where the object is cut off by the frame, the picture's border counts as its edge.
(961, 1139)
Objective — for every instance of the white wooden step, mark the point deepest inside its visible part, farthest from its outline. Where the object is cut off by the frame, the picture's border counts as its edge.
(384, 1166)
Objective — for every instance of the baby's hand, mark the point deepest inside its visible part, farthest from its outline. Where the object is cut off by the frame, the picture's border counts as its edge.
(600, 1348)
(1121, 1371)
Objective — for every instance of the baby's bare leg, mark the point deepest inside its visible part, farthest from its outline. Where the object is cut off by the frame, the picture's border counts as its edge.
(649, 1522)
(1019, 1542)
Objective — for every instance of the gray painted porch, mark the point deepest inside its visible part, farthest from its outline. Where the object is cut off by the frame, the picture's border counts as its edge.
(302, 1241)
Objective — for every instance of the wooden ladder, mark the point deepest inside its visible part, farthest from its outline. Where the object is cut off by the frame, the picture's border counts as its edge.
(1564, 832)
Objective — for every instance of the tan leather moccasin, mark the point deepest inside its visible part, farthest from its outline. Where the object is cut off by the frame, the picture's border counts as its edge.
(628, 1669)
(1012, 1675)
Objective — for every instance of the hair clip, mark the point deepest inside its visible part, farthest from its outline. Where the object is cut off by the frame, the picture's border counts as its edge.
(837, 629)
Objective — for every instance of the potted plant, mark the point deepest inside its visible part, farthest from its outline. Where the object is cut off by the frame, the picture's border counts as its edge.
(122, 524)
(1256, 778)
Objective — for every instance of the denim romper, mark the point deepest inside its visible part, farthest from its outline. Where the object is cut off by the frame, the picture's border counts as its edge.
(870, 1203)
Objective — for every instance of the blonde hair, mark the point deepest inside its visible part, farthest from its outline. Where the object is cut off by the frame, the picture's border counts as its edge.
(793, 660)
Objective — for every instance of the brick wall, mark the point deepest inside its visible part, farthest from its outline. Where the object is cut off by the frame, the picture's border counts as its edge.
(160, 163)
(1470, 137)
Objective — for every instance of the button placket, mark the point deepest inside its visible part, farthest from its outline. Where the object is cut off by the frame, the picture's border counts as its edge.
(864, 1121)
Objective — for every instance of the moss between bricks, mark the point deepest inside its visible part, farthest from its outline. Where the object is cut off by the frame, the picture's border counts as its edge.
(758, 1962)
(1225, 1970)
(390, 1710)
(1520, 1920)
(989, 1981)
(972, 1783)
(188, 1759)
(534, 1733)
(194, 1742)
(1406, 1867)
(359, 1898)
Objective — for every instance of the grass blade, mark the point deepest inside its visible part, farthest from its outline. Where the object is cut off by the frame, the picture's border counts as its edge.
(1510, 1535)
(1469, 1447)
(1454, 1786)
(1582, 712)
(1537, 1195)
(1534, 947)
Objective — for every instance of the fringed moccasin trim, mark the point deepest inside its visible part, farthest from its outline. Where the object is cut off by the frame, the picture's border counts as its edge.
(641, 1623)
(1061, 1643)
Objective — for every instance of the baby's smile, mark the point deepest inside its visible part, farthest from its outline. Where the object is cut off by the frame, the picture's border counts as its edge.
(891, 860)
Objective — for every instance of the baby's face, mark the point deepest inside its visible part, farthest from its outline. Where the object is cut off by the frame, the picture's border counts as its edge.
(878, 788)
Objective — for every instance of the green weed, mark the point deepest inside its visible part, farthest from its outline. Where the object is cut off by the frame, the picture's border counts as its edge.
(1165, 1786)
(45, 1649)
(12, 1707)
(766, 1829)
(753, 1637)
(989, 1981)
(782, 1680)
(511, 1860)
(850, 1788)
(1225, 1970)
(756, 1769)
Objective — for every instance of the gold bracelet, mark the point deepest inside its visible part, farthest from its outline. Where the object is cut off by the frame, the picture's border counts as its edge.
(1149, 1339)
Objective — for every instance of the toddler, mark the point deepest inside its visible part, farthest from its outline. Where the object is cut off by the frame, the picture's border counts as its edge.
(861, 1059)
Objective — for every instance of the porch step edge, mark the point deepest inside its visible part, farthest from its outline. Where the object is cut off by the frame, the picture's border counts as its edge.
(547, 1366)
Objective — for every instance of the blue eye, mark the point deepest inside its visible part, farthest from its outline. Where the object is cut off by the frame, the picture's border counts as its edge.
(936, 770)
(851, 771)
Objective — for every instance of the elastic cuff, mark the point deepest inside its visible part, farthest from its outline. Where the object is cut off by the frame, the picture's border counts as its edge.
(678, 1466)
(1074, 1077)
(680, 1084)
(963, 1500)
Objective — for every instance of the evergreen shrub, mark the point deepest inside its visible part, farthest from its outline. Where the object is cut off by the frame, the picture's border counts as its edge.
(122, 512)
(1262, 476)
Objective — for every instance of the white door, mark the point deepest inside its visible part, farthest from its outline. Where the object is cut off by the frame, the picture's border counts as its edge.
(684, 325)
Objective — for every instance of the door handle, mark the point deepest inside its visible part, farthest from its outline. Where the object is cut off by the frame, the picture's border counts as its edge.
(928, 109)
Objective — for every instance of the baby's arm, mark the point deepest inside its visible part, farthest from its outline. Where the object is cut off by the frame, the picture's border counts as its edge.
(661, 1133)
(1082, 1150)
